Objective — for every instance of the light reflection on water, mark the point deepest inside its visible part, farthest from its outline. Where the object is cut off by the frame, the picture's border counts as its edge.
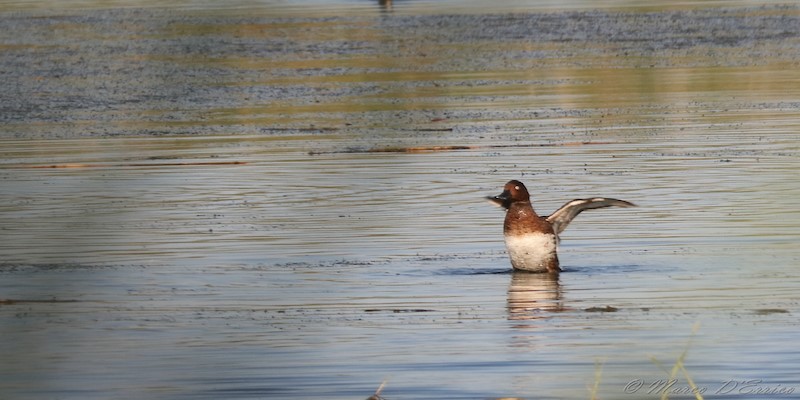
(301, 8)
(347, 269)
(156, 267)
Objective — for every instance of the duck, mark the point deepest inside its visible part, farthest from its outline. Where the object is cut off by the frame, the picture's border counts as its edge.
(532, 240)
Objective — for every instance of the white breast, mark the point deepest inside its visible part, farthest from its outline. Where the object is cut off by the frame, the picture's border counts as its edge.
(531, 251)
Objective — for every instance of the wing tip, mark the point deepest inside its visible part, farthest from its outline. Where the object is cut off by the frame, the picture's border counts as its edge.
(609, 201)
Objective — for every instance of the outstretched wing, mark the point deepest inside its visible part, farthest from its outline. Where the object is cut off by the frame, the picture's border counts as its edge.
(564, 215)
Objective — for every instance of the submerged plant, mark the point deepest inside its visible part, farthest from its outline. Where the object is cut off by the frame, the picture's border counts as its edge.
(665, 387)
(598, 372)
(377, 394)
(680, 367)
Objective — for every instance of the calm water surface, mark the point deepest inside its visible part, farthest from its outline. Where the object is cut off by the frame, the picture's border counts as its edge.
(194, 206)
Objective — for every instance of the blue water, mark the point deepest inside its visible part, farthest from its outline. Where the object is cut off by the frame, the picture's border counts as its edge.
(245, 245)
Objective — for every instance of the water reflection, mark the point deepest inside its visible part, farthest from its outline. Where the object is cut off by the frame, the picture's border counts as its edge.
(531, 296)
(179, 266)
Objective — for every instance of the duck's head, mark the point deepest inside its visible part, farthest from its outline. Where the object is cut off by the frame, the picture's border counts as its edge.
(513, 191)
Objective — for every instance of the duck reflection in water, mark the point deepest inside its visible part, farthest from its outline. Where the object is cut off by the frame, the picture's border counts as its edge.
(532, 296)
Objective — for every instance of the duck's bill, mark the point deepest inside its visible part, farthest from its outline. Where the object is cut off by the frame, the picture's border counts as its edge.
(501, 200)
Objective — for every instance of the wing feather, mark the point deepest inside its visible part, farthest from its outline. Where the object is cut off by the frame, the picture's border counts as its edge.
(564, 215)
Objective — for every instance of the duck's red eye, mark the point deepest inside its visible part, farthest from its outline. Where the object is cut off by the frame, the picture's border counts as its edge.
(516, 187)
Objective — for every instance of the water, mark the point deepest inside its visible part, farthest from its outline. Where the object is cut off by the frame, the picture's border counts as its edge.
(206, 205)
